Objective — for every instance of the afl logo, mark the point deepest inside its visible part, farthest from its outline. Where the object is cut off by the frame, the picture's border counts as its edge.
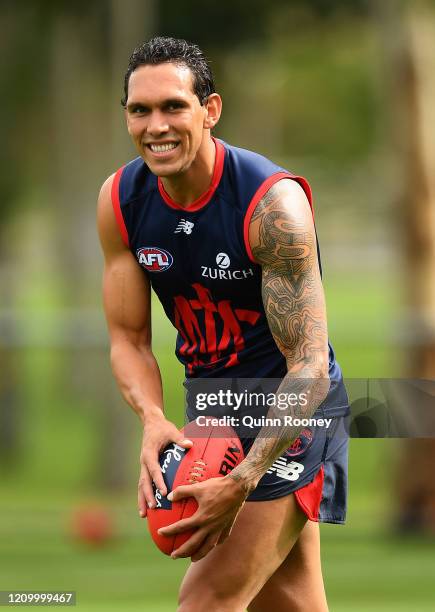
(154, 259)
(300, 444)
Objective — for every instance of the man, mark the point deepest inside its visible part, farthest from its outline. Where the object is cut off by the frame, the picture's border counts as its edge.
(227, 241)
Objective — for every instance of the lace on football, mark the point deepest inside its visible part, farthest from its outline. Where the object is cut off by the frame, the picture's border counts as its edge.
(197, 471)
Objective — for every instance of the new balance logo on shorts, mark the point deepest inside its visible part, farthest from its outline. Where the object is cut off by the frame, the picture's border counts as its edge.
(289, 470)
(184, 226)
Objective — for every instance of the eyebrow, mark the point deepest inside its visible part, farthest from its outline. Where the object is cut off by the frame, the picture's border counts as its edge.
(168, 102)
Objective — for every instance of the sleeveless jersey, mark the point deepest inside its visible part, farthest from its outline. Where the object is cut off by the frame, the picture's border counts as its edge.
(200, 265)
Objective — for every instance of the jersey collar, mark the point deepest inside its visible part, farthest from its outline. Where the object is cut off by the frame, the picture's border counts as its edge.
(205, 198)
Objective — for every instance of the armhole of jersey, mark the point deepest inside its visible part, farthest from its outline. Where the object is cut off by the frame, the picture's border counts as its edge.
(117, 206)
(261, 191)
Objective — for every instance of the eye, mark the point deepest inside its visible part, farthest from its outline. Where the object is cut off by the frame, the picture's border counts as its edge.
(138, 110)
(173, 106)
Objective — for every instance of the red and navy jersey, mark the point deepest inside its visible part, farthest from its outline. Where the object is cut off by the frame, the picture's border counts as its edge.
(200, 264)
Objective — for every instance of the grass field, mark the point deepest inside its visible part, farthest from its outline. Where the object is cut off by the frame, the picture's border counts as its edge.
(366, 567)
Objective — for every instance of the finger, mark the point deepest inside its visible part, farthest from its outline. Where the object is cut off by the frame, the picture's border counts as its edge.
(182, 492)
(225, 533)
(157, 477)
(141, 502)
(178, 527)
(190, 547)
(145, 490)
(206, 547)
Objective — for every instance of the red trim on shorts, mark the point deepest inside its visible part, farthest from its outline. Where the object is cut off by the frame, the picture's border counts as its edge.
(117, 206)
(207, 195)
(310, 496)
(261, 191)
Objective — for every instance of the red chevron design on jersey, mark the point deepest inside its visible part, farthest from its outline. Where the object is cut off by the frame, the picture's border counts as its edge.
(201, 345)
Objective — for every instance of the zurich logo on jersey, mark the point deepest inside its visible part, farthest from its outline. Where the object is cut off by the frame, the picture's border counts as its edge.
(154, 259)
(222, 260)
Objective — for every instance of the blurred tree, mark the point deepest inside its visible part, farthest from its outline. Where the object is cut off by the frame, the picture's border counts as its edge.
(26, 169)
(408, 33)
(238, 21)
(20, 86)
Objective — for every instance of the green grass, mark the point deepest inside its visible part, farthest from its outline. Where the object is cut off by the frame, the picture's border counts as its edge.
(366, 568)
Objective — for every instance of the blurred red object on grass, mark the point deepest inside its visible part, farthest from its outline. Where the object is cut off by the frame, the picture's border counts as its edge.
(92, 525)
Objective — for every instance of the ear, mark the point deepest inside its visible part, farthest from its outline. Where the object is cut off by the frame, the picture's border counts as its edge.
(213, 108)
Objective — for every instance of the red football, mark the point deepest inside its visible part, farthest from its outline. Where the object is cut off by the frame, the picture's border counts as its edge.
(92, 524)
(215, 452)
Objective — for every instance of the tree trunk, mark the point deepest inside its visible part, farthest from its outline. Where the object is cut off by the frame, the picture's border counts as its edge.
(410, 60)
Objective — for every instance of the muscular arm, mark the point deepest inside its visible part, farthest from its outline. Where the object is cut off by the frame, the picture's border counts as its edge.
(127, 305)
(283, 241)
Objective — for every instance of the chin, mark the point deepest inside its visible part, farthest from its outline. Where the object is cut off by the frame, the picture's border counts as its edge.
(165, 170)
(160, 170)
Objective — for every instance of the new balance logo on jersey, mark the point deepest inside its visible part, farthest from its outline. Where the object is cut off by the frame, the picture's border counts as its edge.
(184, 226)
(289, 470)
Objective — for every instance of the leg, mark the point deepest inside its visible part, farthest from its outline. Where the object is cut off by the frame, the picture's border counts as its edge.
(232, 574)
(297, 585)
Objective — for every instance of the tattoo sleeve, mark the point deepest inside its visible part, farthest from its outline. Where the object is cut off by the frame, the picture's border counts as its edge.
(283, 242)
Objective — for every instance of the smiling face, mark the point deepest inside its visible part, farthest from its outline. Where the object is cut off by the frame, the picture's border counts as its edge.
(165, 118)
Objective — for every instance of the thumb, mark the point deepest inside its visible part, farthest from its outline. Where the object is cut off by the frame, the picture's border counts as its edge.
(184, 442)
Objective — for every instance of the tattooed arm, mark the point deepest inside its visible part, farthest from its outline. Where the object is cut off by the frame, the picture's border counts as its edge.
(283, 242)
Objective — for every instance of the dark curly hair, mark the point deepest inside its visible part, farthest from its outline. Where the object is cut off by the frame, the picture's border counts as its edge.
(160, 50)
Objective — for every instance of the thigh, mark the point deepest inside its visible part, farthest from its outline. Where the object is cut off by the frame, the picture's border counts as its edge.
(297, 585)
(230, 576)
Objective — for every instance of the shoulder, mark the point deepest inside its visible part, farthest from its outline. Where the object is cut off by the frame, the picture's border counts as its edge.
(128, 184)
(288, 197)
(108, 228)
(259, 175)
(104, 203)
(282, 222)
(132, 181)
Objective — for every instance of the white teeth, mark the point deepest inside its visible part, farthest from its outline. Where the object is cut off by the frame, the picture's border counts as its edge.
(162, 148)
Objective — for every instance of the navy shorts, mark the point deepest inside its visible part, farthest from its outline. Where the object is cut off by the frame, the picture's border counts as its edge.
(314, 468)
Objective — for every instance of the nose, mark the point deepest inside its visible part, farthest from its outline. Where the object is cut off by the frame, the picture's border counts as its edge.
(157, 123)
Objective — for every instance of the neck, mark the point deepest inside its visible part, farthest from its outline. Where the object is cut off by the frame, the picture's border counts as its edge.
(188, 186)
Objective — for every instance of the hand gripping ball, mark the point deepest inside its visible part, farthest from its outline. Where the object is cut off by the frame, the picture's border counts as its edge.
(215, 452)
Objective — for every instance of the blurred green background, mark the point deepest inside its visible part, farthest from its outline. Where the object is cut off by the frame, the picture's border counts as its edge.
(305, 83)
